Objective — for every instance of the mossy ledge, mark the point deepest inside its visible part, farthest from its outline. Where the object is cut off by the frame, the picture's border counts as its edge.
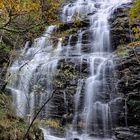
(13, 127)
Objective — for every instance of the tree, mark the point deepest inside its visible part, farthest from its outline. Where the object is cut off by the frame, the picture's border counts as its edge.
(22, 20)
(27, 17)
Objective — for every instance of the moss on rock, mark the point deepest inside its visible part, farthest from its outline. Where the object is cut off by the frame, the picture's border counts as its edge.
(121, 50)
(13, 127)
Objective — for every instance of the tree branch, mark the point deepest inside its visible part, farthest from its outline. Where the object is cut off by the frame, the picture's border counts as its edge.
(35, 117)
(21, 30)
(9, 19)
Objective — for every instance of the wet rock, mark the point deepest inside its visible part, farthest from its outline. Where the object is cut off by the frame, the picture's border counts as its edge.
(86, 37)
(73, 40)
(119, 23)
(128, 71)
(134, 108)
(123, 133)
(75, 139)
(69, 25)
(135, 50)
(65, 84)
(97, 5)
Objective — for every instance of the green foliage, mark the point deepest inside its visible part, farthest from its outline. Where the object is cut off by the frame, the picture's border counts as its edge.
(11, 126)
(9, 123)
(5, 103)
(4, 48)
(135, 11)
(27, 19)
(4, 52)
(122, 50)
(23, 20)
(76, 23)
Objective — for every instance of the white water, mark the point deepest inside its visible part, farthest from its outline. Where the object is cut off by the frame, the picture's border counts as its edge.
(41, 60)
(100, 43)
(24, 71)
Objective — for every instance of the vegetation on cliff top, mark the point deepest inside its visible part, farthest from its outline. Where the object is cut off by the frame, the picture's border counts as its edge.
(13, 127)
(24, 20)
(135, 10)
(134, 15)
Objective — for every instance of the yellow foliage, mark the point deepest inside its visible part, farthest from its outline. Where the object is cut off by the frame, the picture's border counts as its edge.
(19, 5)
(11, 9)
(34, 8)
(136, 31)
(134, 14)
(51, 13)
(53, 123)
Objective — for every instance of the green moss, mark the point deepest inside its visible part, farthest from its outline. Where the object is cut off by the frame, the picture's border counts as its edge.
(64, 75)
(70, 30)
(53, 123)
(134, 11)
(121, 50)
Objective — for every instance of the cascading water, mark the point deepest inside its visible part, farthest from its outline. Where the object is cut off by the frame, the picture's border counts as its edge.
(40, 61)
(36, 62)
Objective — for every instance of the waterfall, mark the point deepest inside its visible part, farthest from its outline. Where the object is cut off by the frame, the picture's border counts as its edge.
(35, 62)
(38, 64)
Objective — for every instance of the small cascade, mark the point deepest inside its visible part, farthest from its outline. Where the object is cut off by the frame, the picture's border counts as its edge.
(77, 102)
(36, 62)
(66, 102)
(36, 70)
(47, 135)
(95, 105)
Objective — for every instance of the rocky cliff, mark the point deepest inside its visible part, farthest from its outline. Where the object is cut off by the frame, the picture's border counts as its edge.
(127, 70)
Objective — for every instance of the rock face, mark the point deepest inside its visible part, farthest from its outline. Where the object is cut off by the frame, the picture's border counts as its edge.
(121, 30)
(125, 133)
(128, 71)
(65, 84)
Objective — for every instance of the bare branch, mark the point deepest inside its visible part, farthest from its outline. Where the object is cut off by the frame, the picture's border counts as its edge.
(35, 117)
